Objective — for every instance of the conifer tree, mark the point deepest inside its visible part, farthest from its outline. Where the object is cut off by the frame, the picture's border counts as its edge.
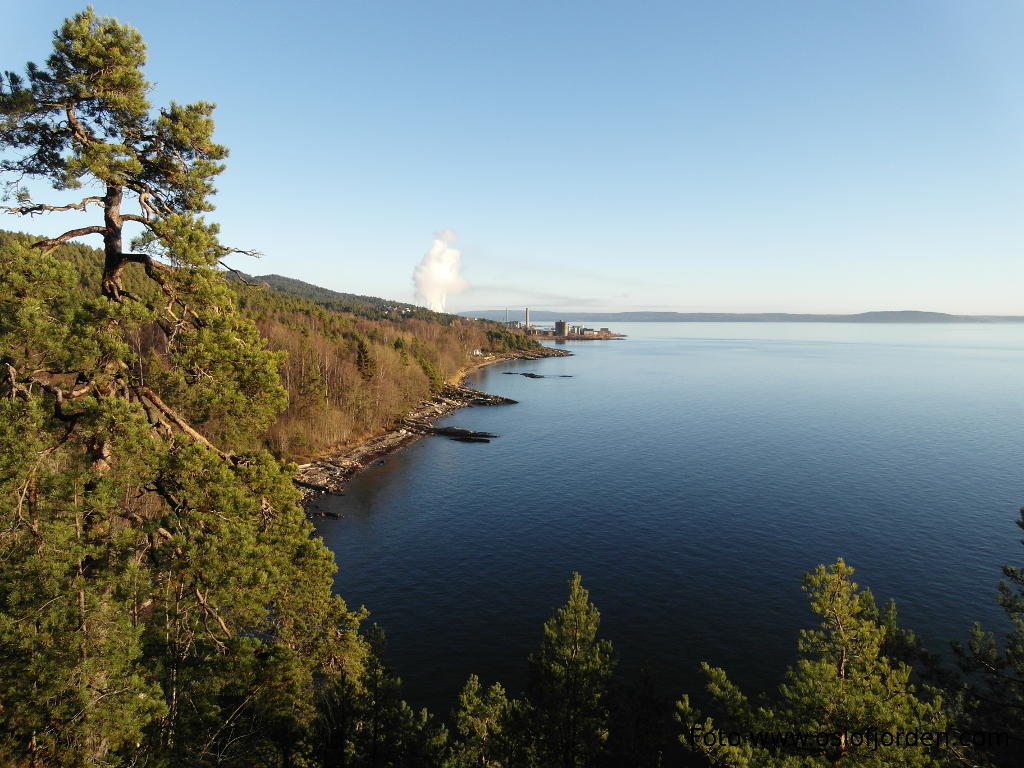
(568, 684)
(995, 697)
(161, 599)
(84, 119)
(479, 724)
(374, 727)
(839, 705)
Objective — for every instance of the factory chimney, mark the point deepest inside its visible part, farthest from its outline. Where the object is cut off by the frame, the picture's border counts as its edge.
(527, 323)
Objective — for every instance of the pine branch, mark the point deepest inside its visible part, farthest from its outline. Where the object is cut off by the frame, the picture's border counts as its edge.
(36, 208)
(140, 219)
(78, 130)
(178, 421)
(210, 610)
(12, 381)
(239, 274)
(51, 243)
(245, 252)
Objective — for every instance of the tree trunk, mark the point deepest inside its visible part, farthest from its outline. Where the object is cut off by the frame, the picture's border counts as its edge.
(114, 260)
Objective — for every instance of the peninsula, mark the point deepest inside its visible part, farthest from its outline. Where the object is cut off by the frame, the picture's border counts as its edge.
(900, 316)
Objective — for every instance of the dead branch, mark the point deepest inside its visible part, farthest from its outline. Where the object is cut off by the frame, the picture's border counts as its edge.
(147, 210)
(17, 390)
(246, 252)
(59, 394)
(153, 416)
(178, 421)
(210, 610)
(239, 274)
(37, 208)
(101, 452)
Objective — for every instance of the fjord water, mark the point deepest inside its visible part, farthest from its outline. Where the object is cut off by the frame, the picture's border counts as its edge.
(692, 473)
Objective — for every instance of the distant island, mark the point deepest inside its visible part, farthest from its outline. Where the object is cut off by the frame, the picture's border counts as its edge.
(902, 316)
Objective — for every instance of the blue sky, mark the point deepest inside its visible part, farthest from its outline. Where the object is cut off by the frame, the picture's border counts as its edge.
(733, 156)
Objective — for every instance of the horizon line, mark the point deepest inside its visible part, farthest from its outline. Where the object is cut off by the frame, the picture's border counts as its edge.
(520, 309)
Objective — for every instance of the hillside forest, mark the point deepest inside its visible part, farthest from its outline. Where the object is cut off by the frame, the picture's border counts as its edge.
(350, 365)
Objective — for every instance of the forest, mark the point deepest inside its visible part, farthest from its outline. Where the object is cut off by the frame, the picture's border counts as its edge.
(349, 369)
(164, 600)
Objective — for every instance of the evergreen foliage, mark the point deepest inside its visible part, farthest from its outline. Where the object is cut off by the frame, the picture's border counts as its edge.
(158, 589)
(841, 689)
(162, 601)
(367, 724)
(506, 340)
(568, 686)
(994, 699)
(481, 723)
(433, 375)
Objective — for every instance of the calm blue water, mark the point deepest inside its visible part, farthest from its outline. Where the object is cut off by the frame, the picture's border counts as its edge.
(692, 473)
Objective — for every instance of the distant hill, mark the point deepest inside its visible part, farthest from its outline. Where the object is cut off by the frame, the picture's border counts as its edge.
(902, 316)
(365, 306)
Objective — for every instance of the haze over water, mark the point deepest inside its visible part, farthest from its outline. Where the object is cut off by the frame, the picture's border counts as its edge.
(692, 473)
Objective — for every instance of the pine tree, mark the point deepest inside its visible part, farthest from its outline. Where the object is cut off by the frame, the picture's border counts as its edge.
(162, 601)
(372, 726)
(995, 697)
(568, 684)
(842, 693)
(84, 119)
(479, 723)
(364, 360)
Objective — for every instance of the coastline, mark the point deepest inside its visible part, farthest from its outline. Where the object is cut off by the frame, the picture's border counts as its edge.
(328, 473)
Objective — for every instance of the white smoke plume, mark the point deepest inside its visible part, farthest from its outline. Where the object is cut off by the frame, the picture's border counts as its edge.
(438, 274)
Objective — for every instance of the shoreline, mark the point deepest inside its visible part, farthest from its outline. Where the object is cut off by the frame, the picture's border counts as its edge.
(330, 472)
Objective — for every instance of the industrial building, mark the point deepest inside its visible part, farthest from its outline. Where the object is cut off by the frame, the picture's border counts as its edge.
(564, 331)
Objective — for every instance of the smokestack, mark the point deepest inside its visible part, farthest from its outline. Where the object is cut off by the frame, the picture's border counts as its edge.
(527, 323)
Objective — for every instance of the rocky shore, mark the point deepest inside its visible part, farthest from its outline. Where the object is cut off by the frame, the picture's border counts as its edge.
(329, 473)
